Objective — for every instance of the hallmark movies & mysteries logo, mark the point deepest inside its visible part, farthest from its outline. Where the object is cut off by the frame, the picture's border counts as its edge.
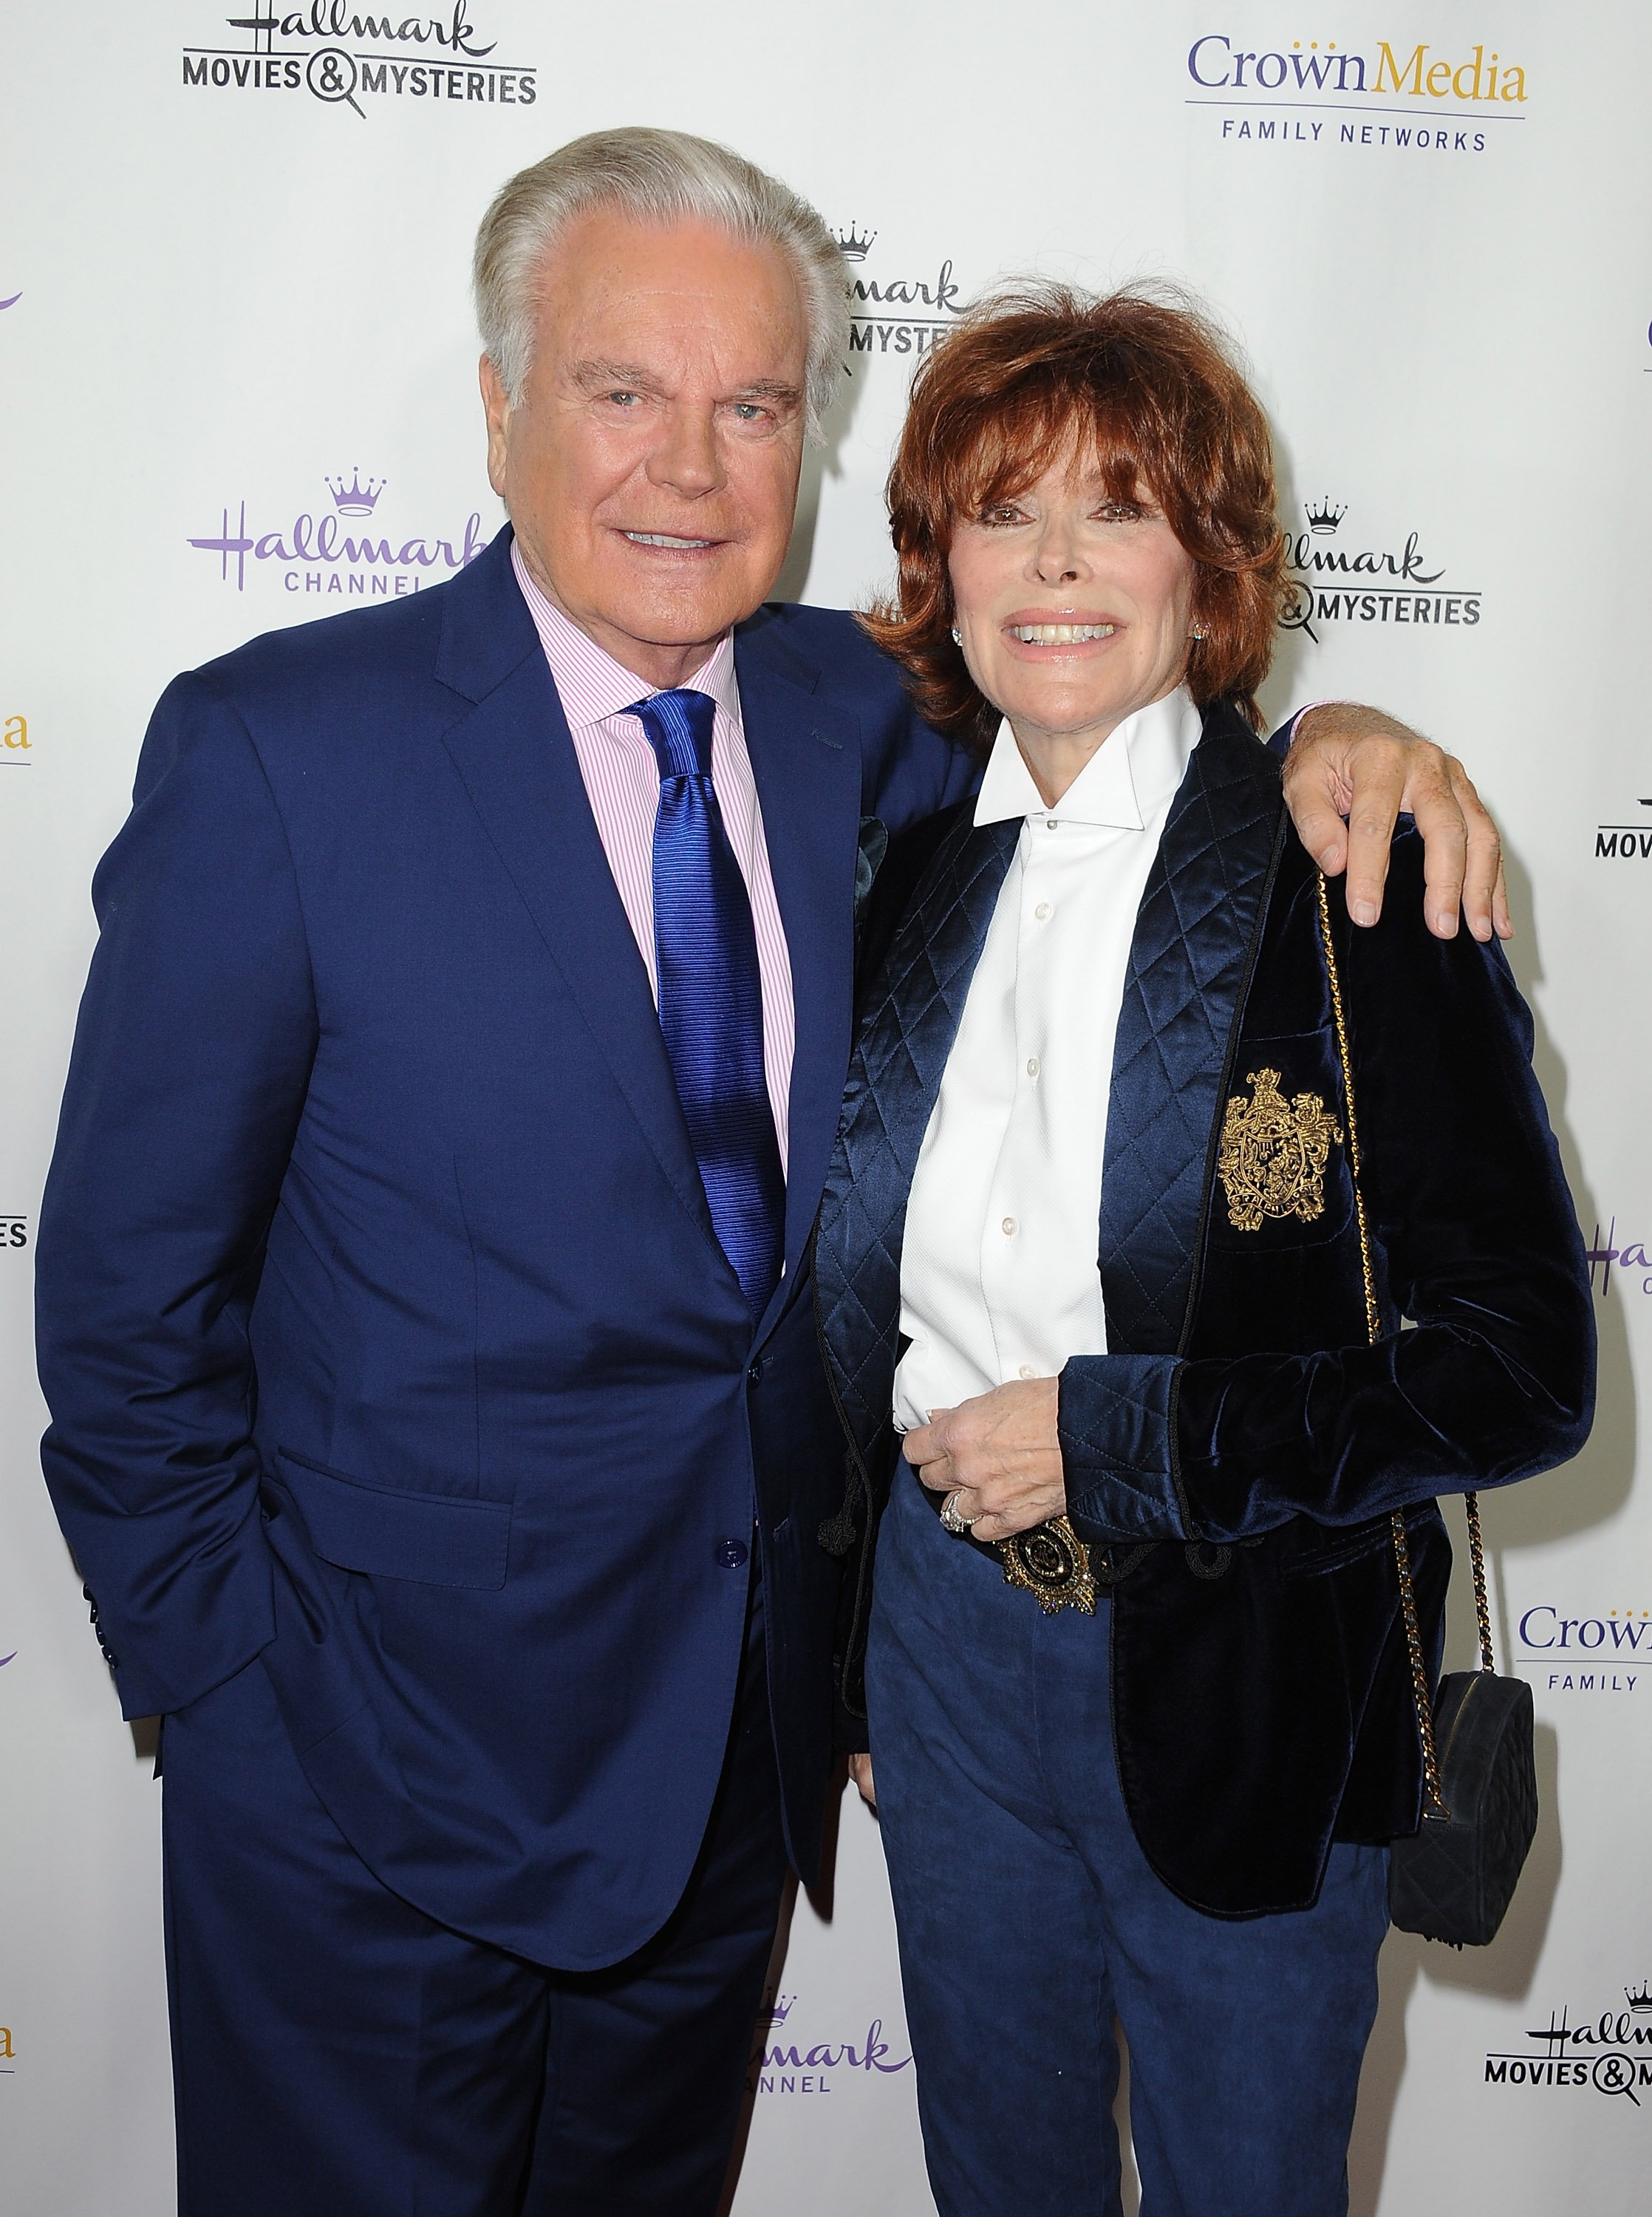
(343, 55)
(1334, 580)
(343, 549)
(13, 1233)
(1423, 99)
(902, 314)
(15, 746)
(1611, 2052)
(1625, 842)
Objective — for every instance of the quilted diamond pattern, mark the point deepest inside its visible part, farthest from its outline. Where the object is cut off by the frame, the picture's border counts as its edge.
(1194, 933)
(1454, 1877)
(893, 1082)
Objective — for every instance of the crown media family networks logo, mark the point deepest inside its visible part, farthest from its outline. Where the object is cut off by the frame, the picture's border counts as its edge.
(1605, 1653)
(330, 552)
(1416, 98)
(344, 56)
(782, 2064)
(1611, 2052)
(1334, 579)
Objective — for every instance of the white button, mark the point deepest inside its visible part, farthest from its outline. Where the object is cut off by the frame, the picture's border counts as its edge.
(1031, 1065)
(1051, 823)
(1027, 1371)
(1042, 910)
(1009, 1227)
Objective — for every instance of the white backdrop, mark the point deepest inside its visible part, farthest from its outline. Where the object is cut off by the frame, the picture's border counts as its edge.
(236, 343)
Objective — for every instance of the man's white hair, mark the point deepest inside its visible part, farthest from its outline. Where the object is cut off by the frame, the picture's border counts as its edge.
(659, 176)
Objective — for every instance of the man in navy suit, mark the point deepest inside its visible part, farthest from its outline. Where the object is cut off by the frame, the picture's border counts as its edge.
(437, 1419)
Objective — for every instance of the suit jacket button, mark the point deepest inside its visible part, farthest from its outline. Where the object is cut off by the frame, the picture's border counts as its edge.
(730, 1553)
(754, 1375)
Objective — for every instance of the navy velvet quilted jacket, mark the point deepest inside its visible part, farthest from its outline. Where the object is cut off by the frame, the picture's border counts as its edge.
(1233, 1460)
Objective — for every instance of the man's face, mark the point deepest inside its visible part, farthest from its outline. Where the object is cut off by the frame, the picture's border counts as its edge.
(651, 469)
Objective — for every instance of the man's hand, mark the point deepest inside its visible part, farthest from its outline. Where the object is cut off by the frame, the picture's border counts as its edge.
(1346, 761)
(999, 1453)
(861, 1772)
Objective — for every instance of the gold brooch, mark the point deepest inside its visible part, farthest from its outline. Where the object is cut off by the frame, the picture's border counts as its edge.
(1051, 1563)
(1273, 1153)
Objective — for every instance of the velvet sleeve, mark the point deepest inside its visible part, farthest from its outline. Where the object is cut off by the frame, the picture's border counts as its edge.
(1476, 1245)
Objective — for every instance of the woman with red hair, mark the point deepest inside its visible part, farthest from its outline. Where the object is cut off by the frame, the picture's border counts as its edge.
(1111, 1277)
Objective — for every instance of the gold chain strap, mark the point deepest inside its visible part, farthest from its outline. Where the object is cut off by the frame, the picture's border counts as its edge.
(1419, 1693)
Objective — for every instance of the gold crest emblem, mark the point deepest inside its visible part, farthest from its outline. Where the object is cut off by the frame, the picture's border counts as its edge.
(1052, 1564)
(1273, 1153)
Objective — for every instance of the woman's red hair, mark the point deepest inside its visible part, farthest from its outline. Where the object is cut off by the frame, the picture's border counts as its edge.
(1148, 392)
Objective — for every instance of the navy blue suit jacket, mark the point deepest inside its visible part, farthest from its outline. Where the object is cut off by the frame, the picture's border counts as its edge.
(384, 1329)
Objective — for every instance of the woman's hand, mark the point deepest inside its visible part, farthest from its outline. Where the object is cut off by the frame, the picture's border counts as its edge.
(999, 1453)
(1346, 761)
(861, 1772)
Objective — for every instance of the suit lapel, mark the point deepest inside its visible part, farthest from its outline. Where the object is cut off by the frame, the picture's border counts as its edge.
(516, 759)
(1190, 964)
(806, 759)
(893, 1082)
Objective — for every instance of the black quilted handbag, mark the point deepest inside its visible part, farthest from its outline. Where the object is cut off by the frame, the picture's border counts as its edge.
(1454, 1877)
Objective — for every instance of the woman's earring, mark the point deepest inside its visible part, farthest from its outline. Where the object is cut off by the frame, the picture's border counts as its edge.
(1199, 632)
(957, 636)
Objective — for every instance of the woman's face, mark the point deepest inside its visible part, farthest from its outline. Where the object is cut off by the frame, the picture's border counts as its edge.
(1074, 608)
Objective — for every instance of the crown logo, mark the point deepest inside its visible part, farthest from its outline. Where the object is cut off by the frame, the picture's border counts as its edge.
(779, 2006)
(855, 246)
(355, 499)
(1324, 519)
(1640, 2003)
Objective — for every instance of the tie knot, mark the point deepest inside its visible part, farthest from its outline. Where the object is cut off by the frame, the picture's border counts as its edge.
(679, 728)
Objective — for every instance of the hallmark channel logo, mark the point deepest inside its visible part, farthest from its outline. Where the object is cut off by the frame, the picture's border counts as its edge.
(780, 2064)
(1334, 580)
(323, 552)
(1608, 2052)
(1625, 842)
(11, 303)
(342, 56)
(1583, 1654)
(7, 2051)
(15, 746)
(1270, 94)
(14, 1234)
(895, 315)
(1612, 1262)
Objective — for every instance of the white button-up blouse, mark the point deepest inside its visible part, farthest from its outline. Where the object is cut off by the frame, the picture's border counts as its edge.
(999, 1277)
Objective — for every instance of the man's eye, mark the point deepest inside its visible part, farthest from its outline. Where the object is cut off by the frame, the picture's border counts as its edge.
(623, 399)
(750, 411)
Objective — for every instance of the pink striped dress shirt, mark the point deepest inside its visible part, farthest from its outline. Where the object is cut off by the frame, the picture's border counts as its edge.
(622, 783)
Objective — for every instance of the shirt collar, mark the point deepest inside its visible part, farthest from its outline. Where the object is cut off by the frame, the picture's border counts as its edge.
(1137, 768)
(591, 685)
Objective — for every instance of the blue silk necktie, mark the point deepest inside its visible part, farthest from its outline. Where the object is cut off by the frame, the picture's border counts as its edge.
(710, 995)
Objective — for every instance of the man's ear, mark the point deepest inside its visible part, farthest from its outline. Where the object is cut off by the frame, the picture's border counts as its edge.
(496, 406)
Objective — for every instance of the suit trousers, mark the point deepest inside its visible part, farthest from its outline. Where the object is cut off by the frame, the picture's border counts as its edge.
(336, 2051)
(1029, 1921)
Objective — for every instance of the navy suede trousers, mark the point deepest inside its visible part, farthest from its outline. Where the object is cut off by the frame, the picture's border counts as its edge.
(1029, 1920)
(335, 2050)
